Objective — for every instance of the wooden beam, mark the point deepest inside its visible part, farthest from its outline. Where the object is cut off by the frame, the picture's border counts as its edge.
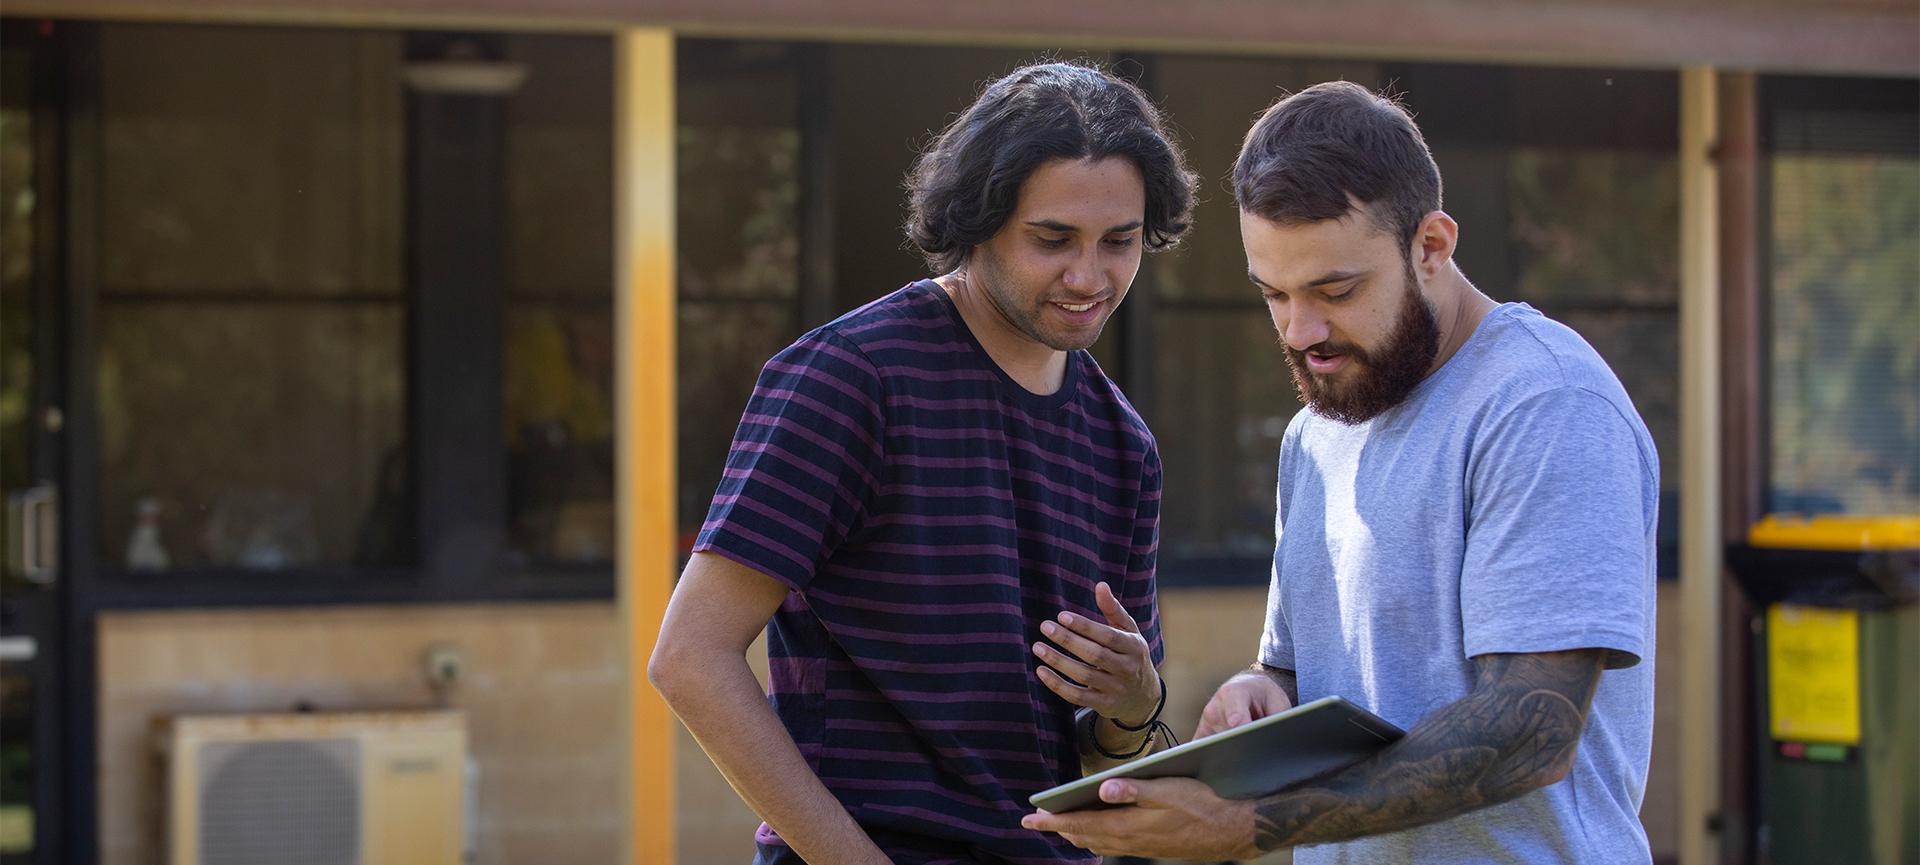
(644, 388)
(1700, 540)
(1738, 164)
(1871, 37)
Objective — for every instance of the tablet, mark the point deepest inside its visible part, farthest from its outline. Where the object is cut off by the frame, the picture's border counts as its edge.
(1251, 759)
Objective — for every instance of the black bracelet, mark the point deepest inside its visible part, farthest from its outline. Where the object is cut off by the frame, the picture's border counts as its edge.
(1090, 728)
(1151, 719)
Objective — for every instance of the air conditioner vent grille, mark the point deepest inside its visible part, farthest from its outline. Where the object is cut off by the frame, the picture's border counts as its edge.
(289, 801)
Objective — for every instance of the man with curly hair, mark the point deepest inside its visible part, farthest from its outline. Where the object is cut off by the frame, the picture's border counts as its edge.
(948, 511)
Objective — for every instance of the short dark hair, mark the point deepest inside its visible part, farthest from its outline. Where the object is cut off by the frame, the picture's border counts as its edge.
(1314, 153)
(966, 184)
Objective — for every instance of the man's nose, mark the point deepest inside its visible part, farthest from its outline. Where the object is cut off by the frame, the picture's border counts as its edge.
(1083, 275)
(1304, 330)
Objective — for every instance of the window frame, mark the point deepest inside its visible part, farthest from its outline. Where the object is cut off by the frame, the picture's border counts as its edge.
(429, 374)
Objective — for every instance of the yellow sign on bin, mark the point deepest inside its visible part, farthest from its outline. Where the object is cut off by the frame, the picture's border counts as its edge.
(1813, 674)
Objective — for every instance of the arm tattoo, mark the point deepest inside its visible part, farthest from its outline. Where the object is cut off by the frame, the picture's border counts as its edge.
(1286, 679)
(1515, 733)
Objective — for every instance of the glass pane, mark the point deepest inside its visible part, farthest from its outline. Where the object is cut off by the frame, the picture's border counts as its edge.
(738, 155)
(262, 160)
(251, 360)
(559, 408)
(559, 399)
(1593, 226)
(1212, 101)
(1845, 402)
(722, 347)
(16, 759)
(560, 168)
(261, 435)
(17, 242)
(1220, 440)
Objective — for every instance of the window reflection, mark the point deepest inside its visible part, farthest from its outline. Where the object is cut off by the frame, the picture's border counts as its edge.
(559, 402)
(250, 366)
(738, 152)
(1845, 383)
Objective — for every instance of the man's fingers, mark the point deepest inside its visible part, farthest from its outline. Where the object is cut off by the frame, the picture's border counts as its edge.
(1047, 821)
(1225, 711)
(1087, 651)
(1160, 793)
(1066, 690)
(1114, 639)
(1118, 792)
(1066, 665)
(1116, 614)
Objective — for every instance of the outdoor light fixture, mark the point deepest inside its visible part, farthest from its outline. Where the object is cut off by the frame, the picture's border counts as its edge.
(464, 71)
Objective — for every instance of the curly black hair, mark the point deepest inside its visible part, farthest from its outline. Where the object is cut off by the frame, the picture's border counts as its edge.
(966, 184)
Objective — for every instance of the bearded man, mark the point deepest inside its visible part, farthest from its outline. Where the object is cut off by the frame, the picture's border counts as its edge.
(1466, 526)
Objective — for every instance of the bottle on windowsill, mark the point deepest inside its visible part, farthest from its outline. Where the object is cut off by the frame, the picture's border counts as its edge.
(144, 550)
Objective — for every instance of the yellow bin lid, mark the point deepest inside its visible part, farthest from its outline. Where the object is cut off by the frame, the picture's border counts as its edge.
(1796, 532)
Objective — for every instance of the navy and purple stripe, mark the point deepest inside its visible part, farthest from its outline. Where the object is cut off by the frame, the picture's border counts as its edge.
(929, 514)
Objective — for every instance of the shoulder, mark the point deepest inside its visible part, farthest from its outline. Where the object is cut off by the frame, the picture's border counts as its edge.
(1522, 357)
(915, 313)
(1107, 406)
(862, 342)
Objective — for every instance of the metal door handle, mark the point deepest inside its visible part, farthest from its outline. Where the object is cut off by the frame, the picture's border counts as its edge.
(33, 529)
(18, 649)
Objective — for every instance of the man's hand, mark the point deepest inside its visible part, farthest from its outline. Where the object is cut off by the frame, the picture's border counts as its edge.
(1516, 732)
(1169, 818)
(1112, 662)
(1243, 699)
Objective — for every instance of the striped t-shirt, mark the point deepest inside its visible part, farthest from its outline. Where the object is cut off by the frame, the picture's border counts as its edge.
(929, 514)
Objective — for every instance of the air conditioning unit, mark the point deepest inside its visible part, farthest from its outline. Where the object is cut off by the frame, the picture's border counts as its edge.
(360, 788)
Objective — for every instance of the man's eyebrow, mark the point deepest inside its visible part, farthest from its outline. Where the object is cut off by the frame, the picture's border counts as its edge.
(1336, 276)
(1331, 278)
(1056, 225)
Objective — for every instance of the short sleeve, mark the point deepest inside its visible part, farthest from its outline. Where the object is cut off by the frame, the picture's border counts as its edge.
(805, 462)
(1276, 642)
(1561, 514)
(1141, 596)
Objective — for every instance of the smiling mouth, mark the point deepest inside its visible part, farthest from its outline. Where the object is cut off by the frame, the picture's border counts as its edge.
(1077, 307)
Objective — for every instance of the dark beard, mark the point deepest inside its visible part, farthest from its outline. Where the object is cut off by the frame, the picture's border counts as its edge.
(1385, 378)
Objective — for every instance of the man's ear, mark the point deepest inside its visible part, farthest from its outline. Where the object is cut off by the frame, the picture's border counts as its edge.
(1433, 244)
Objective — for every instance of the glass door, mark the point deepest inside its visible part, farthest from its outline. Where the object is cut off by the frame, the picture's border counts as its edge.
(31, 775)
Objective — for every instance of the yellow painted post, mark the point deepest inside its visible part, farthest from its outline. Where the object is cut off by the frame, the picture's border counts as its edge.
(644, 336)
(1700, 548)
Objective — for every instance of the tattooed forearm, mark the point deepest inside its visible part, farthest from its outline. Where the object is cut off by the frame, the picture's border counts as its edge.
(1286, 679)
(1515, 733)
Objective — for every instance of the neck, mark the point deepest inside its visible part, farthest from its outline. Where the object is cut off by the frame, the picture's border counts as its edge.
(1457, 323)
(1033, 365)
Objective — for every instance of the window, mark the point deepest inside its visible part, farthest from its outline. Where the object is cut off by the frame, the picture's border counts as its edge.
(738, 152)
(353, 332)
(559, 320)
(1220, 396)
(251, 368)
(1565, 185)
(1843, 179)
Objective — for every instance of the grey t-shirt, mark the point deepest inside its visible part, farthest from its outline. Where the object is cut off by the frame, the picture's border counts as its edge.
(1509, 505)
